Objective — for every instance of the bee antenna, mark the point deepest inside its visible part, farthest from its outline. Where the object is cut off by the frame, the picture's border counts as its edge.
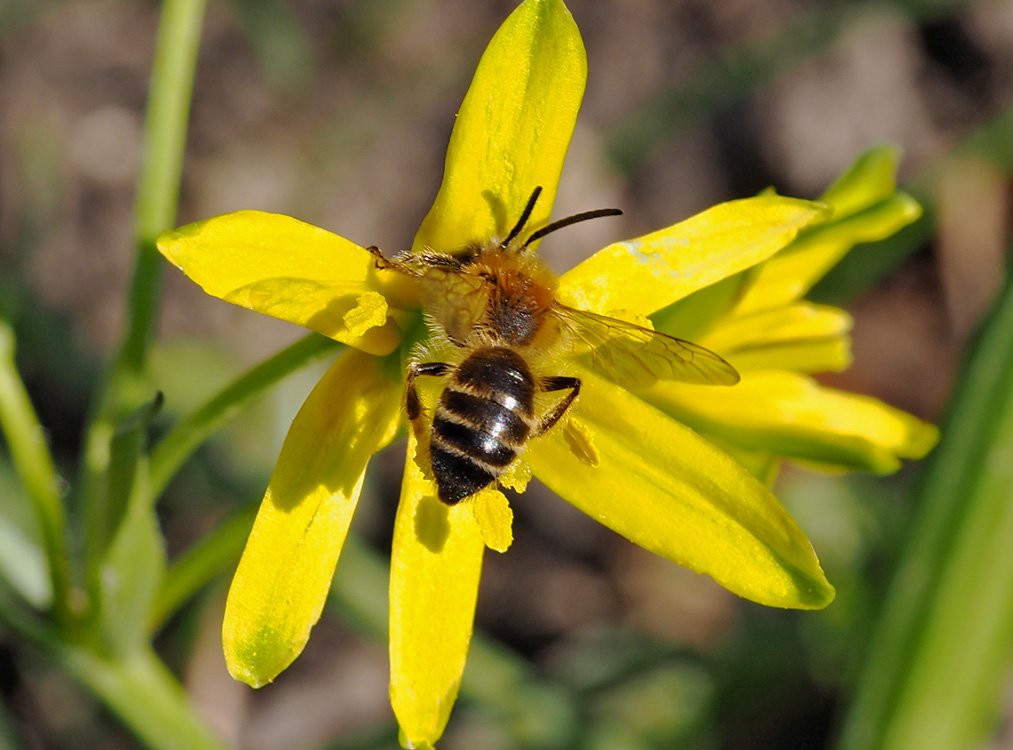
(576, 218)
(525, 215)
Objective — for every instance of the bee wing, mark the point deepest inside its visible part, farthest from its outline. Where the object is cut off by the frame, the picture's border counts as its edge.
(636, 355)
(456, 300)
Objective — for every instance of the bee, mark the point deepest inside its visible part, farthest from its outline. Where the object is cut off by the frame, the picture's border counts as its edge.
(496, 303)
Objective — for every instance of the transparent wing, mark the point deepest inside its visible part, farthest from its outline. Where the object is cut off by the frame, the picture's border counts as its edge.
(634, 355)
(455, 300)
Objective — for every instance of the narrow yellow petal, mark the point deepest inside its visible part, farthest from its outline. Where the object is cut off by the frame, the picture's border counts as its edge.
(801, 321)
(831, 354)
(285, 571)
(789, 275)
(793, 416)
(662, 486)
(652, 272)
(287, 269)
(694, 315)
(763, 465)
(801, 337)
(513, 129)
(867, 207)
(436, 561)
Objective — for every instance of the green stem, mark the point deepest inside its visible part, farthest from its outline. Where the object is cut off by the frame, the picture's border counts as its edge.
(125, 387)
(27, 443)
(180, 443)
(136, 686)
(935, 669)
(158, 184)
(206, 560)
(539, 713)
(139, 689)
(216, 551)
(542, 714)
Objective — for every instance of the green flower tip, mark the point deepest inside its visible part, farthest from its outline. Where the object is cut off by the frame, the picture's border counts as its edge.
(922, 438)
(872, 177)
(403, 739)
(811, 593)
(258, 660)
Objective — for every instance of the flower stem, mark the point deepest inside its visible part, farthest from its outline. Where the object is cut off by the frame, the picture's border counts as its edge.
(544, 713)
(196, 428)
(158, 184)
(134, 685)
(540, 713)
(139, 689)
(125, 387)
(204, 561)
(26, 441)
(935, 669)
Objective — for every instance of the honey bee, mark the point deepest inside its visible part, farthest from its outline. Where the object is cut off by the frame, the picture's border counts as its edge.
(496, 302)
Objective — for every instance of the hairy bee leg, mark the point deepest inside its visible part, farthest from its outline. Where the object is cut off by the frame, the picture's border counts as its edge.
(412, 403)
(560, 383)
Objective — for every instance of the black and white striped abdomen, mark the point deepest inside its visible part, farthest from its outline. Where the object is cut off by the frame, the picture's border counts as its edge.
(482, 421)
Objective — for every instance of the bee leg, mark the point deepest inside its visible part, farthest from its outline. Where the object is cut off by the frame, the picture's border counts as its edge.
(412, 403)
(561, 383)
(382, 261)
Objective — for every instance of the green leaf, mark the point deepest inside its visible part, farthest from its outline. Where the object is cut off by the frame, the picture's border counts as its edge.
(126, 449)
(134, 561)
(33, 463)
(132, 572)
(139, 689)
(125, 384)
(22, 555)
(939, 659)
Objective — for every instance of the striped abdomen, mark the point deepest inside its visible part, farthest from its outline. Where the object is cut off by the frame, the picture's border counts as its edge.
(482, 421)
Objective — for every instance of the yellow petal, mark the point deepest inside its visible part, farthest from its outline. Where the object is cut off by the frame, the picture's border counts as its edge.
(663, 487)
(801, 337)
(763, 465)
(793, 416)
(285, 571)
(287, 269)
(649, 273)
(788, 276)
(866, 208)
(694, 315)
(831, 354)
(513, 129)
(436, 561)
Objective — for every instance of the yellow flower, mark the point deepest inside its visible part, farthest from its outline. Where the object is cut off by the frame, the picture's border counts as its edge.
(758, 321)
(619, 456)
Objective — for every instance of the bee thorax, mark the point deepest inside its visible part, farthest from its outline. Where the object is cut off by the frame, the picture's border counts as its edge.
(517, 309)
